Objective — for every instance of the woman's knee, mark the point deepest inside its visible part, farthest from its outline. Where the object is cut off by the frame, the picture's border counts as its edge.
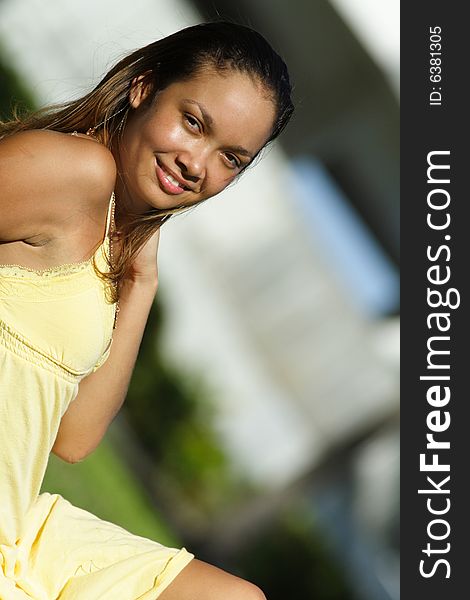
(241, 589)
(202, 581)
(251, 592)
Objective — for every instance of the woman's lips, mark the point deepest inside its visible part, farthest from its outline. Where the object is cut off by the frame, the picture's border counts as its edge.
(167, 182)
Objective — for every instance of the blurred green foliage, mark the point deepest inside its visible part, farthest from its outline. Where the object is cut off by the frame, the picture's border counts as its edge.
(292, 560)
(12, 91)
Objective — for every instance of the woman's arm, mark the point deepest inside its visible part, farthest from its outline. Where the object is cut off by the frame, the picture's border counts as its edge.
(102, 393)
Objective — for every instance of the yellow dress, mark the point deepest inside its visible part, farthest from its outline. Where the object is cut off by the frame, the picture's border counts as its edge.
(56, 327)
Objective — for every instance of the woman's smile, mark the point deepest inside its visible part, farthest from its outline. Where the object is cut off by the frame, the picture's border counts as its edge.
(168, 182)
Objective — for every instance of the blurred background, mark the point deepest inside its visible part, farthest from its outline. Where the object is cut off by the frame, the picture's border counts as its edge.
(261, 428)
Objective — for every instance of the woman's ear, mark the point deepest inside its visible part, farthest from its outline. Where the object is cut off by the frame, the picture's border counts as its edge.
(140, 89)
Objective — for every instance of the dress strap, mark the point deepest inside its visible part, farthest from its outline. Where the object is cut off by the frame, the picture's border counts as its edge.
(110, 216)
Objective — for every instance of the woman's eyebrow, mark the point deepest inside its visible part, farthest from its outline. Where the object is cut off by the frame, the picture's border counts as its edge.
(207, 118)
(241, 150)
(210, 121)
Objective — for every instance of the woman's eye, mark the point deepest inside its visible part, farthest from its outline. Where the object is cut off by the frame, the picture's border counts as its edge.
(192, 122)
(232, 160)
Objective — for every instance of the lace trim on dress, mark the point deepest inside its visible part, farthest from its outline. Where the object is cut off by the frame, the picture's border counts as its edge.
(14, 270)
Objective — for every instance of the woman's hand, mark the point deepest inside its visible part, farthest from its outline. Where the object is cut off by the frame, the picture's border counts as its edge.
(144, 267)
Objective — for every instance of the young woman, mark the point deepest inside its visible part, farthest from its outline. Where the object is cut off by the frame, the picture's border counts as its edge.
(84, 189)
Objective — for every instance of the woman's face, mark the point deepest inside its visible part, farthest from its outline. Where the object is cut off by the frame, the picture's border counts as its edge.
(192, 141)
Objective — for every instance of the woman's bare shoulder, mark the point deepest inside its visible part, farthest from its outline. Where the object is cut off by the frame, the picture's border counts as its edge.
(45, 176)
(59, 156)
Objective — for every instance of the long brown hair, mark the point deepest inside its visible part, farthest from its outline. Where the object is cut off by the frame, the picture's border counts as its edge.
(177, 57)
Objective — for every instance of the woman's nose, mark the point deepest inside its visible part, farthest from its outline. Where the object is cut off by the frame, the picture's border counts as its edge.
(192, 165)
